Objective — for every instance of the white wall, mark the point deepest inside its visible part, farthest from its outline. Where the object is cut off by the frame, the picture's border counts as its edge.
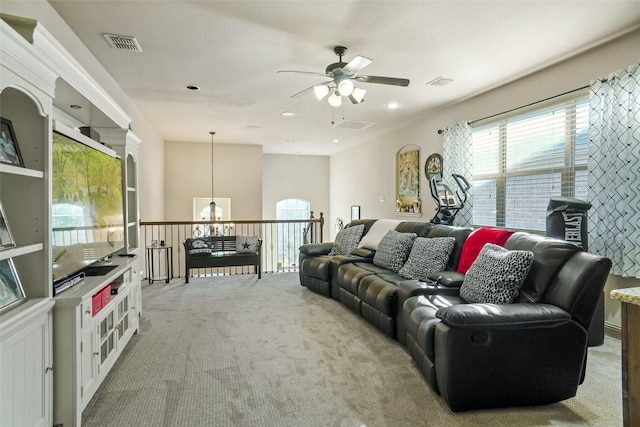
(362, 174)
(299, 177)
(187, 174)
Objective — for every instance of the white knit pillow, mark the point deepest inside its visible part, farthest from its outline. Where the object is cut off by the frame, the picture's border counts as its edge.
(378, 230)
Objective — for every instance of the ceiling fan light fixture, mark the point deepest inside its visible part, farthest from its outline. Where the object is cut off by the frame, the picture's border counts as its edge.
(321, 91)
(357, 95)
(335, 100)
(345, 87)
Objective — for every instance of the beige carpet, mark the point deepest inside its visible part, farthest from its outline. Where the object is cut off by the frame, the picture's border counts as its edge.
(238, 351)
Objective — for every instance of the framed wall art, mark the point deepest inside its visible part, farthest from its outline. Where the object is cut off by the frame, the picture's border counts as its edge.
(355, 212)
(11, 291)
(9, 149)
(6, 239)
(408, 179)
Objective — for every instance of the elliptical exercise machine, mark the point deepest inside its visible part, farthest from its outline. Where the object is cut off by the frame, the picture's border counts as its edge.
(448, 202)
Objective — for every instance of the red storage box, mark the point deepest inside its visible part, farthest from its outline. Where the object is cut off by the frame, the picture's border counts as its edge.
(100, 300)
(96, 304)
(106, 295)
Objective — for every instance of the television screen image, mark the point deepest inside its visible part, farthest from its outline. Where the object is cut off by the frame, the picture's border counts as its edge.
(87, 212)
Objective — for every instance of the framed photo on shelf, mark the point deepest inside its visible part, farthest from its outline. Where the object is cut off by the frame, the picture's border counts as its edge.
(9, 149)
(355, 212)
(6, 239)
(11, 291)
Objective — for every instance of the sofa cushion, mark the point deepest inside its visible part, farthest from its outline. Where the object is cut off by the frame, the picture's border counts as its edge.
(428, 255)
(347, 240)
(247, 244)
(393, 250)
(476, 241)
(422, 229)
(549, 255)
(496, 275)
(378, 230)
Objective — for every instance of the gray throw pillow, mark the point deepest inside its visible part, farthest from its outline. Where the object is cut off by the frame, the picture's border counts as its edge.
(428, 255)
(496, 276)
(347, 240)
(393, 250)
(247, 244)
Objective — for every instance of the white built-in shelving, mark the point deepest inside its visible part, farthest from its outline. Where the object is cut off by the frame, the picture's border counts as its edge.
(55, 349)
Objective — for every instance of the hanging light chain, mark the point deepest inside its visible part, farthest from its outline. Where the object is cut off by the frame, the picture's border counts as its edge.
(212, 133)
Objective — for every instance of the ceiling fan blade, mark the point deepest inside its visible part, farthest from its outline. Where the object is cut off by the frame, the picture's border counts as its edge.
(303, 72)
(309, 89)
(383, 80)
(357, 64)
(301, 93)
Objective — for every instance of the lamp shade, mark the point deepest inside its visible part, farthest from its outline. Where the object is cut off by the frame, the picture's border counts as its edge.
(335, 100)
(321, 91)
(345, 87)
(357, 96)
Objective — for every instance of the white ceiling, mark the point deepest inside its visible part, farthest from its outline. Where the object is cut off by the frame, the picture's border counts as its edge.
(232, 50)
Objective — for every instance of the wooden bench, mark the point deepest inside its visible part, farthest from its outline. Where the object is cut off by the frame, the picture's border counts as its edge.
(219, 251)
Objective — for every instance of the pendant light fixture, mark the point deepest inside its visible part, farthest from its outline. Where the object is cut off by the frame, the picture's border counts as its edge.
(212, 205)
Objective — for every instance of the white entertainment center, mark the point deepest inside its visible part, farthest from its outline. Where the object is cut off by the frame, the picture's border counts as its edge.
(55, 350)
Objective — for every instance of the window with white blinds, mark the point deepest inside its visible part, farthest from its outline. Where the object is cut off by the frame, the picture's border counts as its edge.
(521, 161)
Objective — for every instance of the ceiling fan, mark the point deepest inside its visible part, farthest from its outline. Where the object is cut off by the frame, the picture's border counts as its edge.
(342, 77)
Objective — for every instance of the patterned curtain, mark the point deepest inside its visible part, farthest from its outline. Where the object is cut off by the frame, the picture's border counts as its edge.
(457, 157)
(614, 170)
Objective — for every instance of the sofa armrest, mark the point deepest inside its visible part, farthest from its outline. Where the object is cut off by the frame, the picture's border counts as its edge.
(363, 252)
(503, 316)
(450, 279)
(316, 249)
(517, 354)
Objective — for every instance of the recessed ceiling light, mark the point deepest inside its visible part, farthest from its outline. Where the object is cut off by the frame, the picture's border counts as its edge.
(75, 106)
(287, 113)
(392, 105)
(192, 87)
(298, 152)
(336, 141)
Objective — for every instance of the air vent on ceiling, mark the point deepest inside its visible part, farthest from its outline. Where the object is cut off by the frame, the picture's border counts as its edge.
(352, 124)
(440, 81)
(123, 42)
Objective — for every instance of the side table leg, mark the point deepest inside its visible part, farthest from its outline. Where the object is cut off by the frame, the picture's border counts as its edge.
(630, 365)
(166, 259)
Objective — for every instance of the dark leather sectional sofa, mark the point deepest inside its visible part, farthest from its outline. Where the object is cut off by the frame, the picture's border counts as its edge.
(530, 352)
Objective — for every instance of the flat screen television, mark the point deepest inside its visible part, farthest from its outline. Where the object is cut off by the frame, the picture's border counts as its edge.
(87, 212)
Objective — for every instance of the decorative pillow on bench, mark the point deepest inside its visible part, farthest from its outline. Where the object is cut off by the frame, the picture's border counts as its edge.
(200, 246)
(247, 244)
(496, 276)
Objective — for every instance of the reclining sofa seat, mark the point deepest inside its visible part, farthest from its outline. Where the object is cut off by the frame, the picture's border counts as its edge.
(370, 291)
(317, 267)
(531, 352)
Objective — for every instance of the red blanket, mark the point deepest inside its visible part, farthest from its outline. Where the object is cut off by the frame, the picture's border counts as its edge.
(476, 241)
